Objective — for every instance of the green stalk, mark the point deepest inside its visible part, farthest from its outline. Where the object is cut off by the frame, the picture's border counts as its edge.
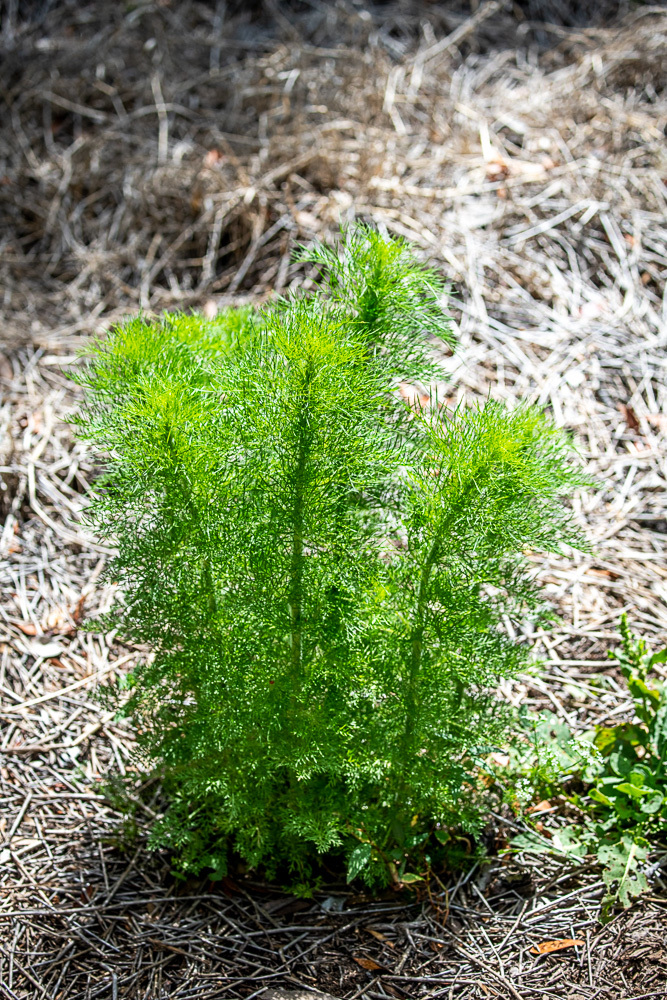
(417, 645)
(297, 560)
(417, 640)
(207, 573)
(296, 567)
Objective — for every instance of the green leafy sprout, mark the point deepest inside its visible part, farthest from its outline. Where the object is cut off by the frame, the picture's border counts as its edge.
(624, 771)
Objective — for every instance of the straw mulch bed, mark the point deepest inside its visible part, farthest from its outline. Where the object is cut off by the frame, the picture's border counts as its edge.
(169, 155)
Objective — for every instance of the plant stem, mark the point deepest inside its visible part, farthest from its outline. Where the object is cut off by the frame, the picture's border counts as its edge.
(296, 575)
(417, 640)
(417, 643)
(296, 562)
(192, 509)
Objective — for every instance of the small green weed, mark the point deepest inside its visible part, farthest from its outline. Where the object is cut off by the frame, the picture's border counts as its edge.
(623, 771)
(631, 786)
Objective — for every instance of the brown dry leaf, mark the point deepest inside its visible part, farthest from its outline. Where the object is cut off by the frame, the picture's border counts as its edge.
(539, 807)
(77, 612)
(367, 963)
(546, 947)
(28, 628)
(213, 157)
(380, 937)
(630, 417)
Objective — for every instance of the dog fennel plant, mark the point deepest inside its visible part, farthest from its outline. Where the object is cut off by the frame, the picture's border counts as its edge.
(320, 570)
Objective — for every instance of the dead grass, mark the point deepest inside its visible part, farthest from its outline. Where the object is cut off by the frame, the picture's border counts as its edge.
(166, 155)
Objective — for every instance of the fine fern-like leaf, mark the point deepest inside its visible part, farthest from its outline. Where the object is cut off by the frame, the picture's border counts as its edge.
(320, 571)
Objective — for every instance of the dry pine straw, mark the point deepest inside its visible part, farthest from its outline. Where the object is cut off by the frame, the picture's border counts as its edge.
(168, 158)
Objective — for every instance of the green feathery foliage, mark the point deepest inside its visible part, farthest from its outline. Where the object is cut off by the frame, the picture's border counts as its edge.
(321, 571)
